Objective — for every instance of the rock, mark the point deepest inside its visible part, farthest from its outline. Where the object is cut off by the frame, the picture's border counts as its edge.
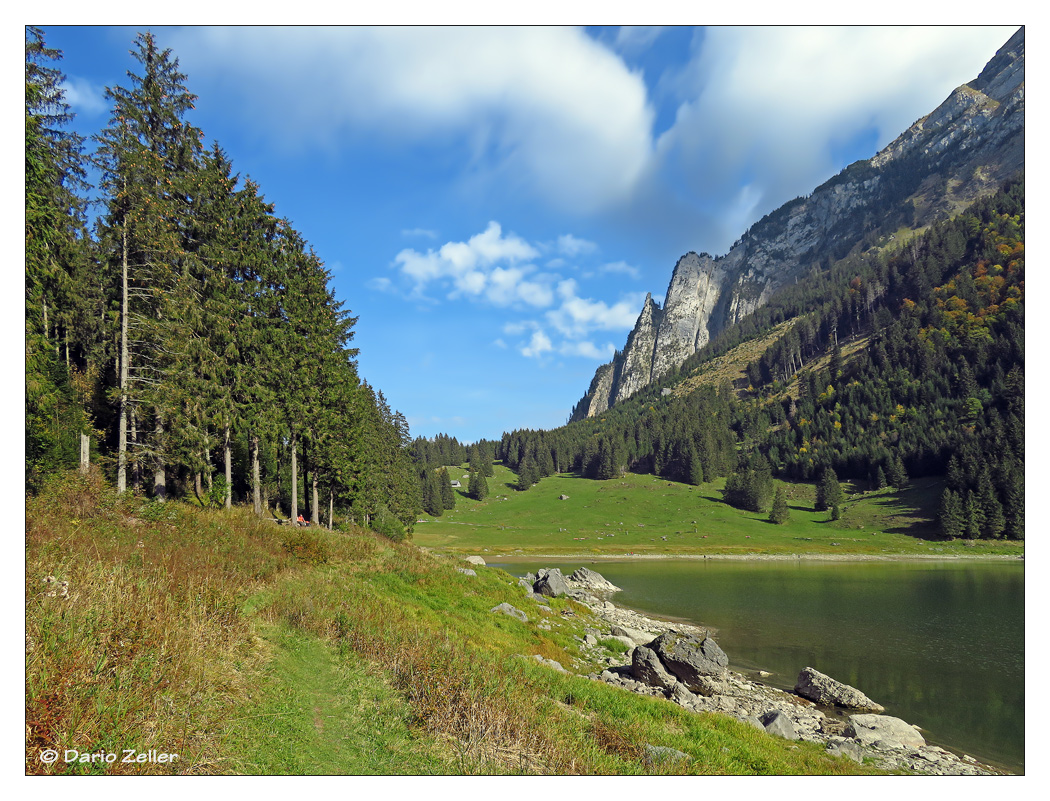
(690, 658)
(628, 643)
(637, 636)
(466, 571)
(563, 497)
(754, 721)
(847, 749)
(551, 583)
(660, 754)
(507, 609)
(707, 686)
(681, 696)
(475, 560)
(779, 724)
(585, 577)
(647, 668)
(530, 578)
(590, 639)
(815, 686)
(888, 731)
(549, 663)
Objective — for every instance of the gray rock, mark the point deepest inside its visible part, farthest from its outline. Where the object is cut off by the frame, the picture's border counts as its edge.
(475, 560)
(507, 609)
(754, 721)
(779, 724)
(690, 658)
(647, 668)
(585, 577)
(590, 639)
(847, 749)
(660, 754)
(637, 636)
(681, 696)
(466, 571)
(884, 731)
(551, 583)
(551, 663)
(815, 686)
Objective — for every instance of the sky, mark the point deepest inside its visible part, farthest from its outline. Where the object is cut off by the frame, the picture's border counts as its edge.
(494, 204)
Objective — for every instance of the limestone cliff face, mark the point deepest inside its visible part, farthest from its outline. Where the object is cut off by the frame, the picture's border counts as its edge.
(695, 287)
(636, 365)
(963, 149)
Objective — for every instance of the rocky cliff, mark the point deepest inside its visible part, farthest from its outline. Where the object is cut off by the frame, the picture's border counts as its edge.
(965, 148)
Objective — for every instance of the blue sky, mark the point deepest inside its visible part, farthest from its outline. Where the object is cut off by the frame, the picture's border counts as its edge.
(494, 203)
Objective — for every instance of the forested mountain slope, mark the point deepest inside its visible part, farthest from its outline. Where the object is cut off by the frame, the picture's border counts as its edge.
(959, 152)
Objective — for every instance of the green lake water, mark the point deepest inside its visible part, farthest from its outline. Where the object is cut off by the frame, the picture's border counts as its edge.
(939, 644)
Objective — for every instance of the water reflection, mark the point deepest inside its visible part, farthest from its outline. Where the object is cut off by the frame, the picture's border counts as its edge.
(940, 644)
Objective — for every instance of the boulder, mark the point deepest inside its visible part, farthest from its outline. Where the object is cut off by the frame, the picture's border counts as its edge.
(815, 686)
(551, 583)
(507, 609)
(690, 658)
(475, 560)
(466, 571)
(661, 754)
(585, 577)
(870, 729)
(846, 749)
(647, 668)
(778, 724)
(637, 636)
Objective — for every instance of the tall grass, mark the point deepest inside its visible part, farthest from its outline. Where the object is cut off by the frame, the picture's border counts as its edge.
(172, 629)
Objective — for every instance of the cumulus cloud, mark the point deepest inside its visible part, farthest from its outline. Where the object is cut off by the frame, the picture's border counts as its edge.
(547, 110)
(489, 265)
(577, 316)
(539, 344)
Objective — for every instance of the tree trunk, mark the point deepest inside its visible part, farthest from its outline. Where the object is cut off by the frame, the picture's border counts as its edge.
(256, 483)
(85, 453)
(197, 487)
(331, 507)
(122, 436)
(227, 455)
(136, 467)
(315, 516)
(295, 481)
(160, 478)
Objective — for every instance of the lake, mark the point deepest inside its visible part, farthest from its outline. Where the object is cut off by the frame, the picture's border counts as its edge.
(938, 643)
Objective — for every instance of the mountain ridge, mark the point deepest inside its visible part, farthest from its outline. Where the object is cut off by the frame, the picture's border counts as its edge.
(958, 152)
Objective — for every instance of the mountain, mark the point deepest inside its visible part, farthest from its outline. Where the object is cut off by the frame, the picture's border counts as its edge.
(956, 154)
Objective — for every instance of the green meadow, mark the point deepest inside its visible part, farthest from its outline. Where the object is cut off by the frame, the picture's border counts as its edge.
(640, 515)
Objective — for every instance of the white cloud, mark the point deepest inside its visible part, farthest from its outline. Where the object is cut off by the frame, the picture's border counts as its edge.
(548, 109)
(539, 344)
(427, 233)
(83, 97)
(576, 317)
(572, 246)
(621, 267)
(772, 110)
(588, 350)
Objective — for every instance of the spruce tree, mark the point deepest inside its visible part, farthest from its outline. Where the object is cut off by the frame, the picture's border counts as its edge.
(448, 495)
(147, 155)
(951, 518)
(779, 514)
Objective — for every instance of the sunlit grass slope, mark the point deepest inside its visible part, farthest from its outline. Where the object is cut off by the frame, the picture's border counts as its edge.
(643, 515)
(247, 647)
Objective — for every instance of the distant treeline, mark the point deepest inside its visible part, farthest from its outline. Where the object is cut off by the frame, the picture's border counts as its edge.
(933, 384)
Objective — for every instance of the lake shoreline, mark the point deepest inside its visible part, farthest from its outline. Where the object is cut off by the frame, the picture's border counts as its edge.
(818, 557)
(746, 695)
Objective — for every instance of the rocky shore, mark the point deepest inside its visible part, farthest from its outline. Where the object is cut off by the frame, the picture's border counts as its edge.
(684, 664)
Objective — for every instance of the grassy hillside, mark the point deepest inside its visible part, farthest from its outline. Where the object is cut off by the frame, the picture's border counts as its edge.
(643, 515)
(247, 647)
